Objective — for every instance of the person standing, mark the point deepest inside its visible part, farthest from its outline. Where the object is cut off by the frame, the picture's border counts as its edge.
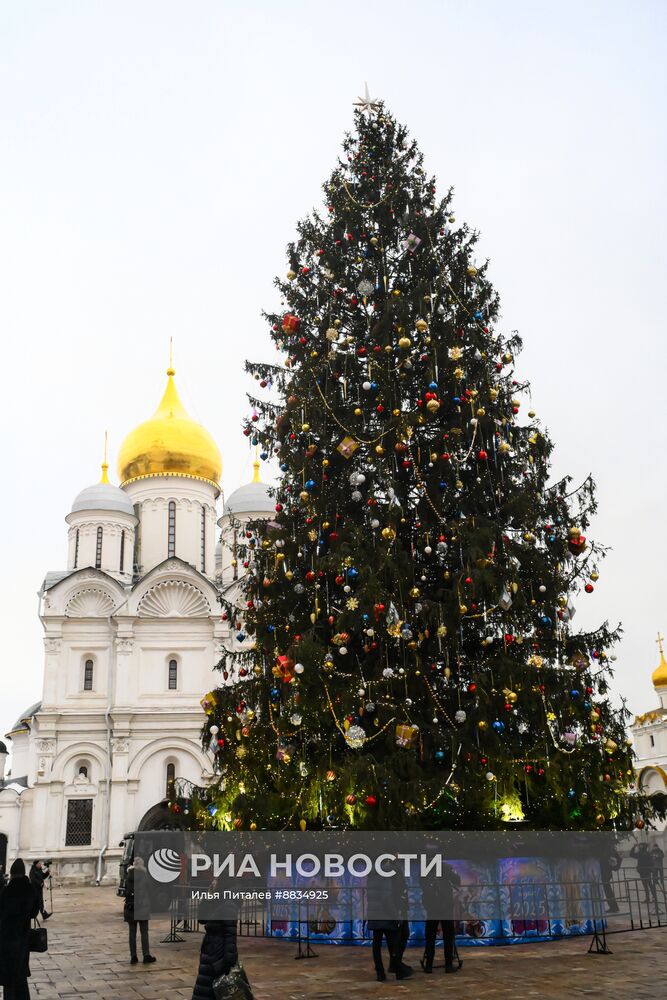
(135, 880)
(438, 903)
(658, 861)
(388, 896)
(642, 856)
(38, 876)
(218, 955)
(18, 906)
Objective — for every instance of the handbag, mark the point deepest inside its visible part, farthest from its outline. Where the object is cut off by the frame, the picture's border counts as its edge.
(38, 938)
(233, 985)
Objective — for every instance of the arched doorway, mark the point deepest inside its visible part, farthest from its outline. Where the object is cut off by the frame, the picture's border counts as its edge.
(3, 852)
(161, 817)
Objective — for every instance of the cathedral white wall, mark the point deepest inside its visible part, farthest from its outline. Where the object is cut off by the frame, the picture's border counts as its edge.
(191, 496)
(113, 524)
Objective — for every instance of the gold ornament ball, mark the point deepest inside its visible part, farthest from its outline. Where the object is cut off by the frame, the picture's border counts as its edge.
(291, 275)
(305, 427)
(253, 826)
(600, 818)
(304, 495)
(595, 576)
(281, 555)
(325, 463)
(421, 325)
(512, 697)
(326, 525)
(531, 413)
(388, 349)
(463, 608)
(374, 241)
(257, 671)
(396, 292)
(389, 534)
(379, 450)
(452, 218)
(405, 343)
(395, 413)
(482, 725)
(433, 405)
(415, 592)
(358, 411)
(472, 271)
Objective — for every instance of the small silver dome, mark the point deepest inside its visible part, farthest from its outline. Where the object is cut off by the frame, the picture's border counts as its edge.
(103, 496)
(26, 716)
(253, 498)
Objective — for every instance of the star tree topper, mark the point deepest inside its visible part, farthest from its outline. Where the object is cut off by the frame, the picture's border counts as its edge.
(367, 103)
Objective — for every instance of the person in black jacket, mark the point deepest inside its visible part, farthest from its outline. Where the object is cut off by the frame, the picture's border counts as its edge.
(136, 876)
(18, 906)
(438, 902)
(218, 955)
(388, 896)
(38, 876)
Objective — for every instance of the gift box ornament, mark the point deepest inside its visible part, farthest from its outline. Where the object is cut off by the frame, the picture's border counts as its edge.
(411, 243)
(347, 447)
(291, 323)
(407, 736)
(209, 702)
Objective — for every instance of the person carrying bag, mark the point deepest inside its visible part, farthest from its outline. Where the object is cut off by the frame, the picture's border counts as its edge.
(18, 906)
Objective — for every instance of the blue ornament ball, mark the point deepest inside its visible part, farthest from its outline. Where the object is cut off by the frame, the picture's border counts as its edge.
(574, 693)
(310, 485)
(499, 726)
(352, 573)
(433, 386)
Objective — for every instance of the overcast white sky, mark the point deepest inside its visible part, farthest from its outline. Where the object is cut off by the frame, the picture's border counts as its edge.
(155, 156)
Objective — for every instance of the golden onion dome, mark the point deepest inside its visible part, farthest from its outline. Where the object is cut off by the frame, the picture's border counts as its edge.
(170, 443)
(659, 675)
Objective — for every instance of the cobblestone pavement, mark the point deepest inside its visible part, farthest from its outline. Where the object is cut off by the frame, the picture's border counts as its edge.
(88, 957)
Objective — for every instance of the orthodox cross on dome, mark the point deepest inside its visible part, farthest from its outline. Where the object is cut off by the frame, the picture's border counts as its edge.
(170, 369)
(367, 103)
(659, 642)
(105, 464)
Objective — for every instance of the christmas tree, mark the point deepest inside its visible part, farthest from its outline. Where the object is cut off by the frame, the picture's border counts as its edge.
(404, 649)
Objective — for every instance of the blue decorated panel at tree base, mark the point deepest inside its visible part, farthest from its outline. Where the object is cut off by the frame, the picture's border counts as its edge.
(514, 901)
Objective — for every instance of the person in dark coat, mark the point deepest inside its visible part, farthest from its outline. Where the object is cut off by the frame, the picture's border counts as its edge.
(38, 876)
(642, 856)
(218, 955)
(388, 896)
(18, 906)
(438, 903)
(135, 879)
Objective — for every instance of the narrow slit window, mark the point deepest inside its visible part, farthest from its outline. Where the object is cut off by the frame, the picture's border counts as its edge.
(173, 675)
(76, 549)
(98, 548)
(171, 778)
(88, 676)
(121, 564)
(171, 546)
(203, 539)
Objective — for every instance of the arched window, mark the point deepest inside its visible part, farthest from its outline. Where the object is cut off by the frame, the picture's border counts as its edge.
(76, 549)
(203, 539)
(171, 545)
(122, 552)
(88, 676)
(173, 675)
(98, 548)
(171, 778)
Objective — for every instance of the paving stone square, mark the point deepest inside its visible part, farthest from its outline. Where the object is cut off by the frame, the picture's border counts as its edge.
(88, 957)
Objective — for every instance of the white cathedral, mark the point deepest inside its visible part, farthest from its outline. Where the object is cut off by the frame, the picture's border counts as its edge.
(132, 631)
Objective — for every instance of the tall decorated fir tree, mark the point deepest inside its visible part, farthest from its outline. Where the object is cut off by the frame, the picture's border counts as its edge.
(404, 649)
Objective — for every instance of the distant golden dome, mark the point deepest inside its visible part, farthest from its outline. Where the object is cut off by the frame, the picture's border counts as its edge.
(170, 443)
(659, 675)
